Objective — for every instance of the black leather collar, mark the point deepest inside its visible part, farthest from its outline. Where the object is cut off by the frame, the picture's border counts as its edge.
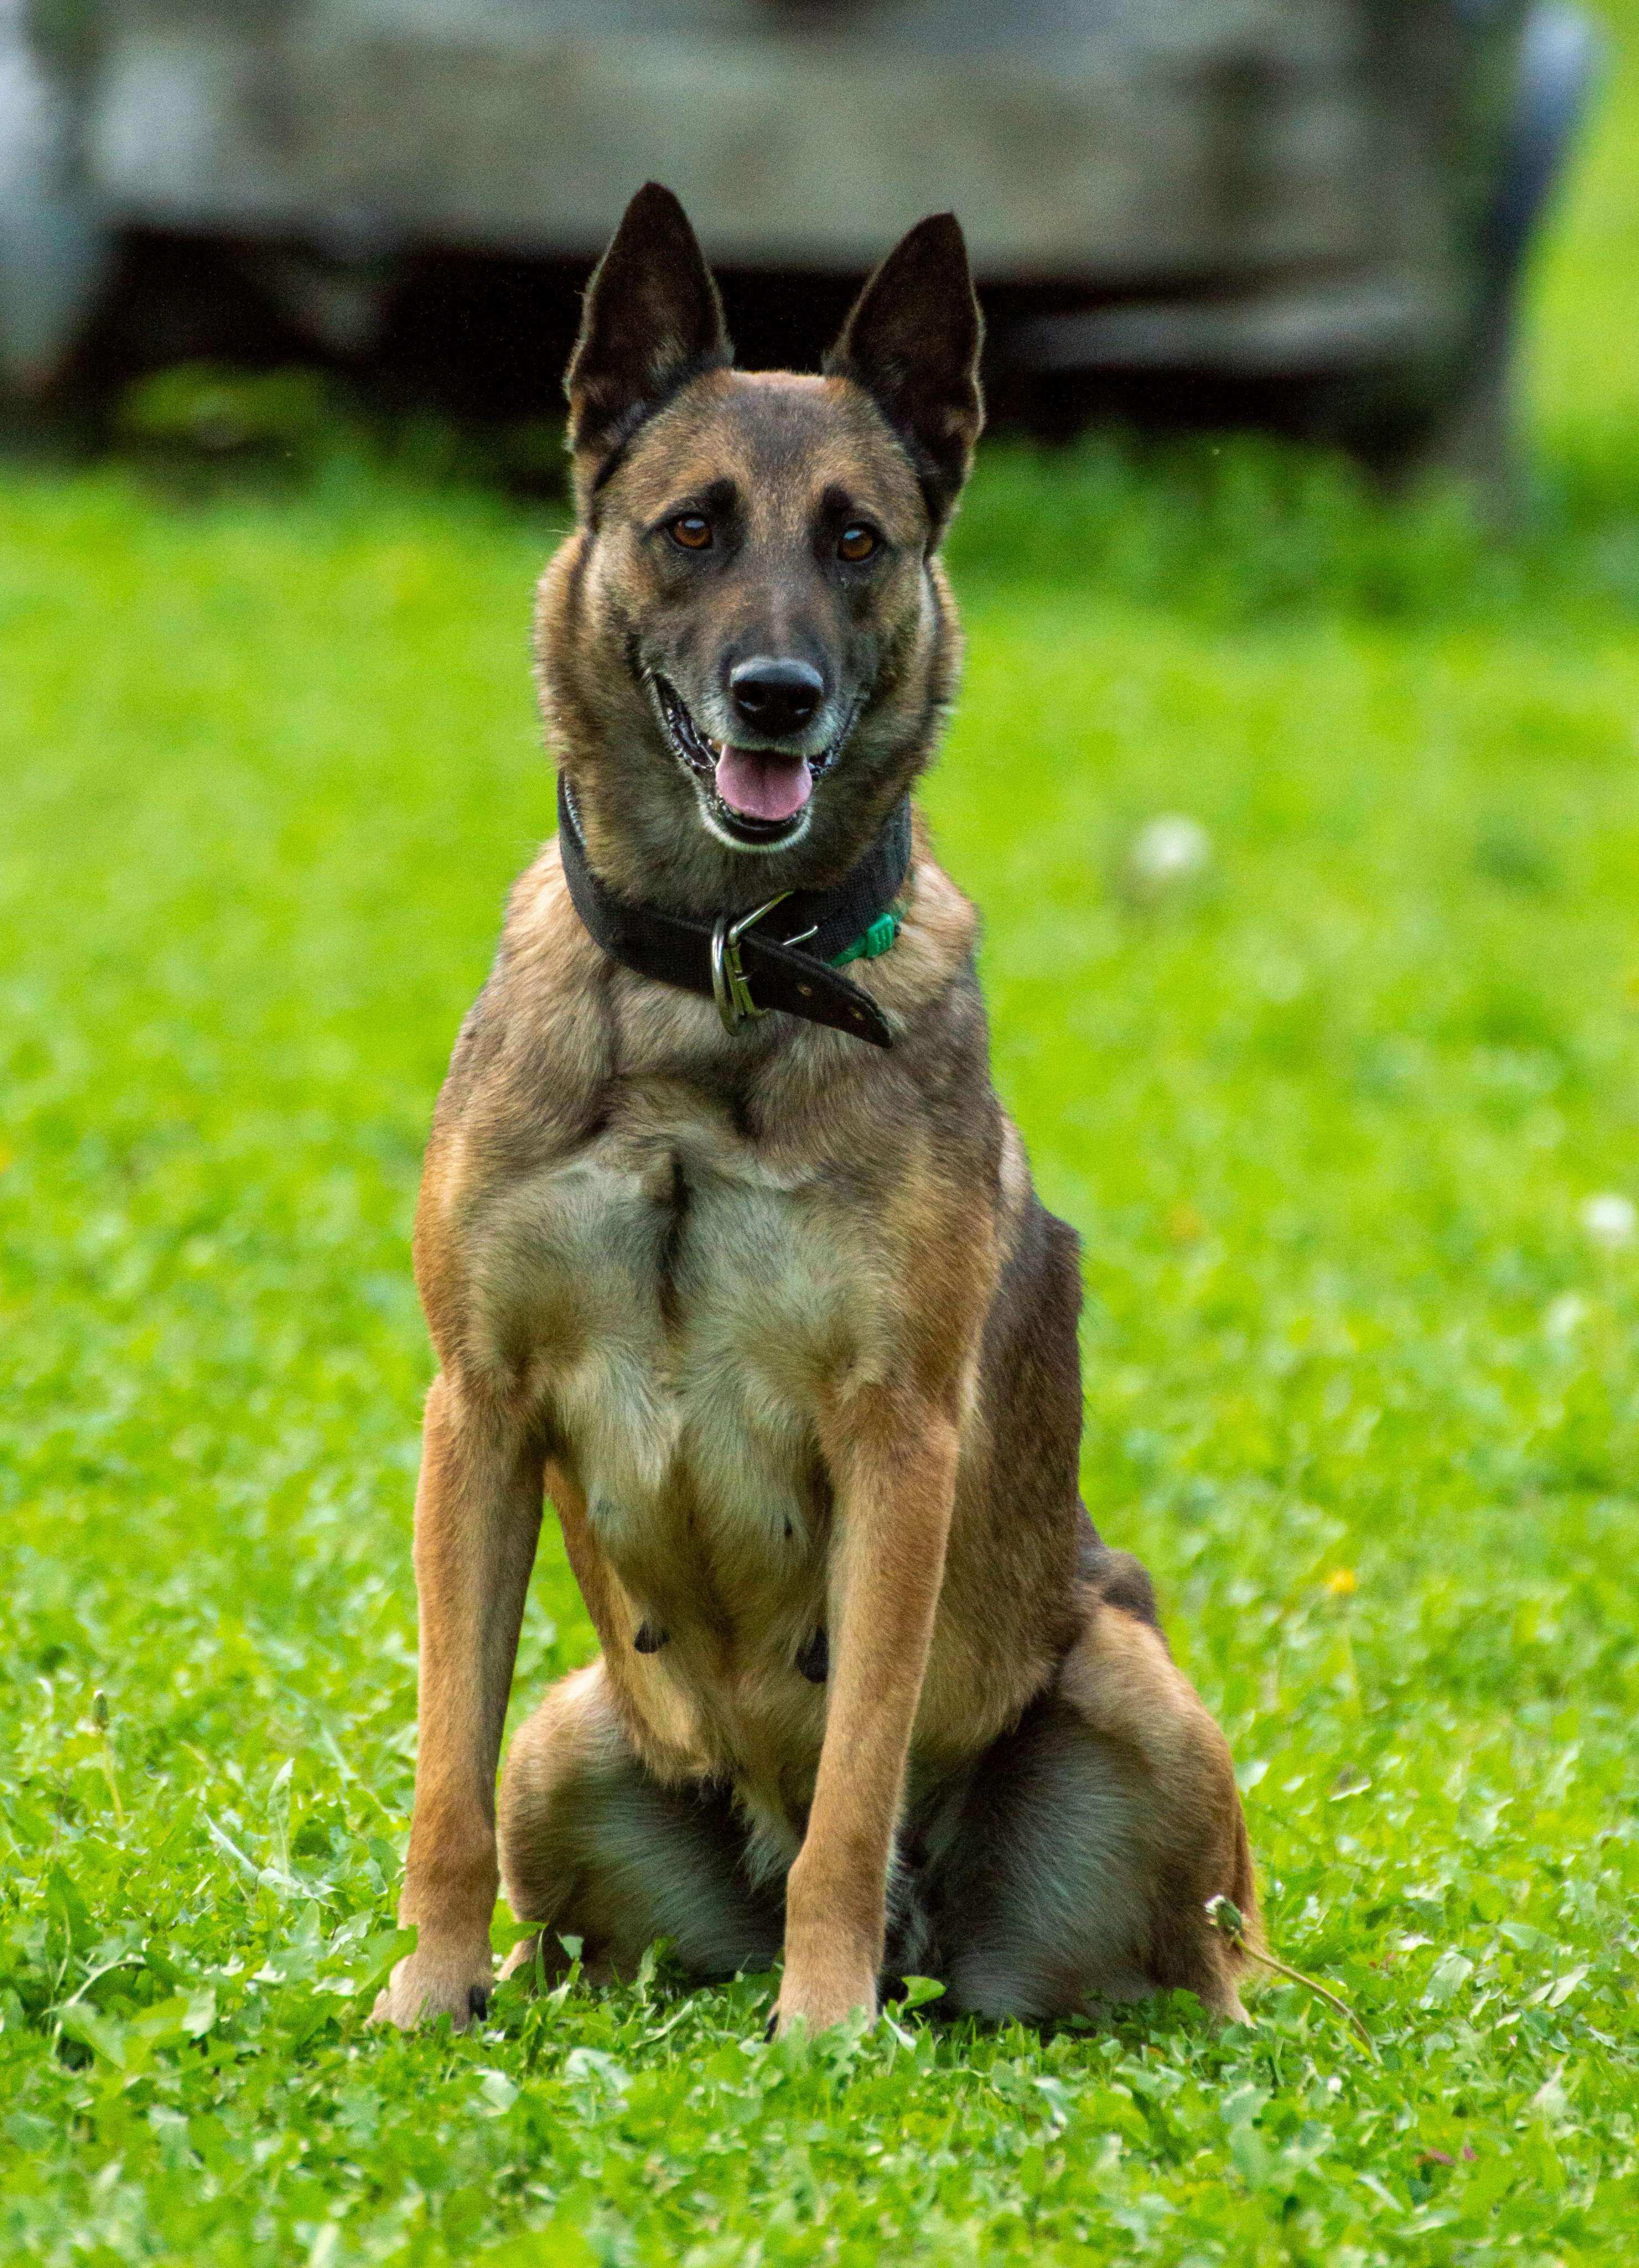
(776, 957)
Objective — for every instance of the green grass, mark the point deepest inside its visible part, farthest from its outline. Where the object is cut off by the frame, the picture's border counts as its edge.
(1361, 1385)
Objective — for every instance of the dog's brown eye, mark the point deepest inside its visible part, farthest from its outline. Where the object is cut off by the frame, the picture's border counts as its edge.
(692, 531)
(856, 543)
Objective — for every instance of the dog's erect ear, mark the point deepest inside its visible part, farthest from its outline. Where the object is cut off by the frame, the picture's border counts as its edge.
(653, 320)
(913, 343)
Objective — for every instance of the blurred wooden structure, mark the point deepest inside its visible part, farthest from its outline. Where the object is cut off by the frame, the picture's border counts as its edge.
(1303, 195)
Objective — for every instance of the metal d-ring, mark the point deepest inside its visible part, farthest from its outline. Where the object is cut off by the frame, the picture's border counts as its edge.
(730, 987)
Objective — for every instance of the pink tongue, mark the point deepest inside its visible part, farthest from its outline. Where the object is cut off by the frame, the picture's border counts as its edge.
(760, 786)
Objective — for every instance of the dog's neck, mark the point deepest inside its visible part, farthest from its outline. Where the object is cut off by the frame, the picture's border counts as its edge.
(783, 953)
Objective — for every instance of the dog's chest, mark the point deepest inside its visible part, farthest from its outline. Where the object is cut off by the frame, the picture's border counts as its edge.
(694, 1307)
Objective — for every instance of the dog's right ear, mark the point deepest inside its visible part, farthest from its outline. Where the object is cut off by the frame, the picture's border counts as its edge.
(653, 320)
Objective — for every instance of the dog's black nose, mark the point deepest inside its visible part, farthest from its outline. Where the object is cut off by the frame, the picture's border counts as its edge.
(774, 698)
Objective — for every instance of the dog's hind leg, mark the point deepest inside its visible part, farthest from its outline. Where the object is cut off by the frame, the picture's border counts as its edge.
(593, 1846)
(1090, 1839)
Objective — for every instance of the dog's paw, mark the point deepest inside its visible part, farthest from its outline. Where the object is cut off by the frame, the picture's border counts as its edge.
(426, 1985)
(817, 2003)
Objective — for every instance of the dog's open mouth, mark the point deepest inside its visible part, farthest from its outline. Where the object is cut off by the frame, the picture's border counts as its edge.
(757, 795)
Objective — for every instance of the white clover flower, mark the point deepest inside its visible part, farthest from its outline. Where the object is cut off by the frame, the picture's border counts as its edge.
(1564, 1316)
(1165, 854)
(1171, 848)
(1610, 1220)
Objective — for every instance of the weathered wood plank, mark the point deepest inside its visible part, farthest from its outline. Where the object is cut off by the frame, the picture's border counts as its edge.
(1109, 144)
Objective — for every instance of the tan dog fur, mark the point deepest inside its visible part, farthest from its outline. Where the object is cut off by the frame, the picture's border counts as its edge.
(775, 1317)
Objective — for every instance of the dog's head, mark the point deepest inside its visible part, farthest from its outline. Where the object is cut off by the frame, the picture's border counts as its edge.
(746, 646)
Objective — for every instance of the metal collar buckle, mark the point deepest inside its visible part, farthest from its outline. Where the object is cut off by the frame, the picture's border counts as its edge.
(730, 987)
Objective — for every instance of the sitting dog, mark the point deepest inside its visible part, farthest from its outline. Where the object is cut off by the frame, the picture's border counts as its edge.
(736, 1257)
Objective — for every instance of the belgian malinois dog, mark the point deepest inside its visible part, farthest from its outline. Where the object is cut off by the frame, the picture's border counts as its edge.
(736, 1257)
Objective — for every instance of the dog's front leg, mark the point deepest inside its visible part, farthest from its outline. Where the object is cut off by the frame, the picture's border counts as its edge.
(477, 1519)
(895, 1470)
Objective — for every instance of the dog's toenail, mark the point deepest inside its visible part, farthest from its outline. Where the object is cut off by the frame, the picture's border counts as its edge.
(478, 2000)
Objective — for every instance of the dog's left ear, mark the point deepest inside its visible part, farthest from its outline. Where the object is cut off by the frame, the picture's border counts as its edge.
(913, 343)
(652, 321)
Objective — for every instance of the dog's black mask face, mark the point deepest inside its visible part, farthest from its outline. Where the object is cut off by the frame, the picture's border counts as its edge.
(747, 652)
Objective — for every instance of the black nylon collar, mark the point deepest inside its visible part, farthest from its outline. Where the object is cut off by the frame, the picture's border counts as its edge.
(676, 948)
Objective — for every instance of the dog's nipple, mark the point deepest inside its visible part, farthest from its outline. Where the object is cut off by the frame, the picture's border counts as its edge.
(814, 1661)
